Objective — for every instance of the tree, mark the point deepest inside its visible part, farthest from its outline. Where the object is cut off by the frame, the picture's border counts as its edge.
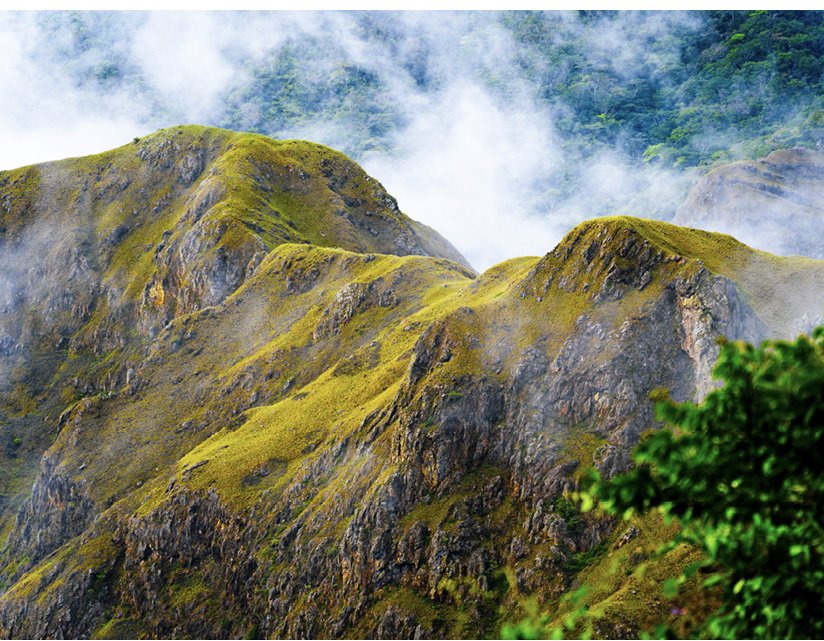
(743, 473)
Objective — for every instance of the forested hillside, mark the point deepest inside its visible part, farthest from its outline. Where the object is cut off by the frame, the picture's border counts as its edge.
(716, 85)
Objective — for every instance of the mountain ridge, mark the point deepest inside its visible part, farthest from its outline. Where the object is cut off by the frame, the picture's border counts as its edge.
(358, 443)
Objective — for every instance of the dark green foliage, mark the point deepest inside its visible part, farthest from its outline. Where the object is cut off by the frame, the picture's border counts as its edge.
(728, 83)
(527, 629)
(743, 473)
(566, 509)
(583, 560)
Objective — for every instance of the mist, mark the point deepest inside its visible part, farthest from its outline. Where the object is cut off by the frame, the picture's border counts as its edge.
(453, 124)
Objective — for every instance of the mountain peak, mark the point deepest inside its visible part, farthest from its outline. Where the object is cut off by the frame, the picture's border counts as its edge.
(603, 258)
(177, 220)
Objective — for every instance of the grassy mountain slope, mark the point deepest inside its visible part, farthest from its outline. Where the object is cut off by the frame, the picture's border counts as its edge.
(99, 253)
(346, 443)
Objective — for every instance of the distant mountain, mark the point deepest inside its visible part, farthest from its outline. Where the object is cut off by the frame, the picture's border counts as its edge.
(242, 395)
(776, 203)
(680, 88)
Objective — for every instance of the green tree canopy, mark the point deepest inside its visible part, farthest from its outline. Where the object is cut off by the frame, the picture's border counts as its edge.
(743, 473)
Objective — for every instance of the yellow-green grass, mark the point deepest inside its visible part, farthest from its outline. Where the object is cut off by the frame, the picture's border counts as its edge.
(624, 586)
(779, 288)
(135, 438)
(513, 323)
(78, 556)
(118, 628)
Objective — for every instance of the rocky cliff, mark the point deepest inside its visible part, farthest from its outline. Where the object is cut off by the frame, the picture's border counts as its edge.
(98, 254)
(240, 433)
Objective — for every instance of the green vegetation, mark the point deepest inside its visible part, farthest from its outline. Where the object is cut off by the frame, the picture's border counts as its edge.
(297, 397)
(620, 593)
(742, 473)
(734, 490)
(754, 79)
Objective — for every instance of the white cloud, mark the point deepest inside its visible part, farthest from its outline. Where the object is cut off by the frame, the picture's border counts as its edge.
(43, 115)
(181, 56)
(81, 137)
(468, 167)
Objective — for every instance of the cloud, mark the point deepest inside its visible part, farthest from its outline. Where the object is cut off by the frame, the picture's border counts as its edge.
(473, 146)
(187, 60)
(44, 115)
(470, 167)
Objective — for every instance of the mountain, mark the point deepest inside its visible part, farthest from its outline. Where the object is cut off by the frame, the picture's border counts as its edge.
(774, 202)
(243, 395)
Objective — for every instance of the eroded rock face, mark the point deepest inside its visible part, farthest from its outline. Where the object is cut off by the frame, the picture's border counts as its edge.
(196, 270)
(84, 599)
(59, 509)
(194, 532)
(352, 299)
